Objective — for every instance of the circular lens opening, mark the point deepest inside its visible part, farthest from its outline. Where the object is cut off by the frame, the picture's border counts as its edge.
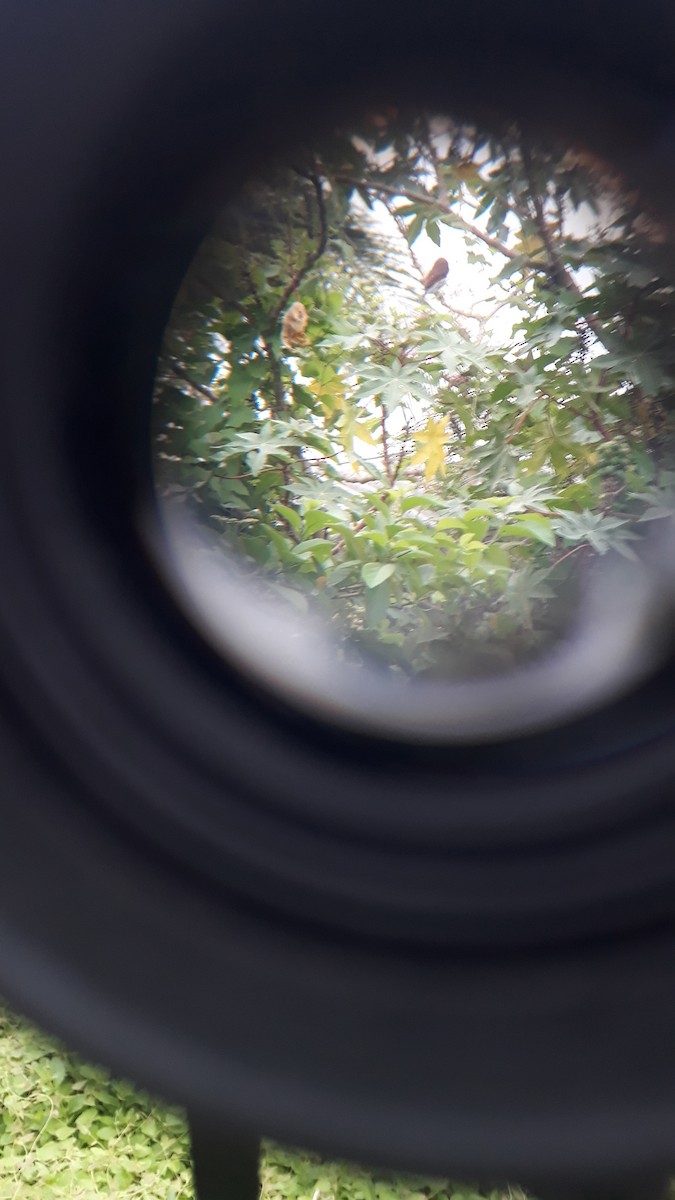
(413, 427)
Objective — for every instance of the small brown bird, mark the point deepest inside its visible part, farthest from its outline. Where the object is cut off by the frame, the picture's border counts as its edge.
(436, 277)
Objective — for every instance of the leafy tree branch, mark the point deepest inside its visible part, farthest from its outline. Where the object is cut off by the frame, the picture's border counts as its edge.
(433, 490)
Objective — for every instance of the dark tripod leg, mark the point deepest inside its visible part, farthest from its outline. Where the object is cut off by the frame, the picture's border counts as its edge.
(225, 1162)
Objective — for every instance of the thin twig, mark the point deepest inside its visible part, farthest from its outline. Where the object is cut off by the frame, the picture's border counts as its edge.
(522, 419)
(568, 554)
(594, 419)
(385, 443)
(558, 271)
(401, 453)
(432, 202)
(179, 370)
(313, 256)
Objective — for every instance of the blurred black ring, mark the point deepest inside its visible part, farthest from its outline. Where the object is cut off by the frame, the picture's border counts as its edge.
(452, 960)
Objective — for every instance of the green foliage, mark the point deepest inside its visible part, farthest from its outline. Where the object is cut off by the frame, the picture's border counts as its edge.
(432, 478)
(299, 1175)
(70, 1131)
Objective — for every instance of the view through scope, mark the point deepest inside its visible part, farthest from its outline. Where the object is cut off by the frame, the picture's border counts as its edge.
(414, 416)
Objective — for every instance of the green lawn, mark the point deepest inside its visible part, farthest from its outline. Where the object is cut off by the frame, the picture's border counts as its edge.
(69, 1130)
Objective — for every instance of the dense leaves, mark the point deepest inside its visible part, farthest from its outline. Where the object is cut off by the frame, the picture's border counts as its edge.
(70, 1132)
(433, 472)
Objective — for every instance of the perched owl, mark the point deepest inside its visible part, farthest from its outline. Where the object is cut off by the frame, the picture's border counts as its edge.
(437, 276)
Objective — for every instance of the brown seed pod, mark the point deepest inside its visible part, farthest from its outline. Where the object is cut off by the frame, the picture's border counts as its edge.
(295, 323)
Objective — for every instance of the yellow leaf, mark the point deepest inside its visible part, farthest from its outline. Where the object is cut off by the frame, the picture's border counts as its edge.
(329, 392)
(530, 244)
(352, 427)
(431, 442)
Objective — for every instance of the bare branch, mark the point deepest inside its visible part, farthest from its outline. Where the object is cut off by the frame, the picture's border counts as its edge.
(313, 256)
(401, 453)
(522, 419)
(385, 443)
(383, 189)
(211, 397)
(558, 271)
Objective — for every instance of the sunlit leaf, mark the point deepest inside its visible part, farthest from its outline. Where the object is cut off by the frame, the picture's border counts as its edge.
(373, 574)
(316, 519)
(432, 442)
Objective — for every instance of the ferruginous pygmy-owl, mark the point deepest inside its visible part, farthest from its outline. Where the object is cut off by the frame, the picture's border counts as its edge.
(435, 278)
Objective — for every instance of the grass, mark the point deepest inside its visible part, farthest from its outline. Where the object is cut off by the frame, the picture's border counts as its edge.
(69, 1131)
